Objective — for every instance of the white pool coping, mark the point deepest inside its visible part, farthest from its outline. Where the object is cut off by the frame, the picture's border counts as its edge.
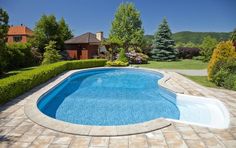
(33, 113)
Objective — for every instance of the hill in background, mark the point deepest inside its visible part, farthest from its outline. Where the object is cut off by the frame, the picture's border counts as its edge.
(196, 37)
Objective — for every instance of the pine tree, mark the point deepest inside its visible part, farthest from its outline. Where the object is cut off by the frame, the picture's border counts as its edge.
(163, 44)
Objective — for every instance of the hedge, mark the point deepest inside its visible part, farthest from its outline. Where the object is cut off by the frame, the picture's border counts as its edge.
(16, 85)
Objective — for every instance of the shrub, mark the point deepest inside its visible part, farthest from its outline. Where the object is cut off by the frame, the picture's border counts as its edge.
(230, 81)
(122, 57)
(207, 47)
(221, 54)
(117, 63)
(13, 86)
(226, 76)
(137, 58)
(19, 55)
(51, 55)
(187, 52)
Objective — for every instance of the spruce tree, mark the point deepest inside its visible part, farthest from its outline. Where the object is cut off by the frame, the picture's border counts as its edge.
(163, 44)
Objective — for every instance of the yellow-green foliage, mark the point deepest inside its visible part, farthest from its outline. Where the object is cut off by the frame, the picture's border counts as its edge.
(13, 86)
(222, 52)
(117, 63)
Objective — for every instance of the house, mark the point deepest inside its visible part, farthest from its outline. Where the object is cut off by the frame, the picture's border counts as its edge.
(85, 46)
(18, 34)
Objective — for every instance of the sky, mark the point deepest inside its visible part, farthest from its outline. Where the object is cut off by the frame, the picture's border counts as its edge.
(97, 15)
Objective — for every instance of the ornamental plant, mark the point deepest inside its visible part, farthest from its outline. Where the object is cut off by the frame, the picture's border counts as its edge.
(122, 56)
(224, 51)
(51, 55)
(137, 58)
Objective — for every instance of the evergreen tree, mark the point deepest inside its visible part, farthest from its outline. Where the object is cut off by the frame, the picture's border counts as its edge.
(163, 44)
(127, 27)
(51, 55)
(3, 37)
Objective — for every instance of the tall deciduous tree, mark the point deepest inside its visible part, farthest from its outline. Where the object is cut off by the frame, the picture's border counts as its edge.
(3, 37)
(207, 47)
(64, 29)
(127, 27)
(163, 44)
(48, 29)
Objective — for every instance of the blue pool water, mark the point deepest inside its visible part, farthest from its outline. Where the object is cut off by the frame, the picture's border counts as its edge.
(109, 97)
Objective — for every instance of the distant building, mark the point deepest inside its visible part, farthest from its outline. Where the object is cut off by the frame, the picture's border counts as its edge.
(85, 46)
(18, 34)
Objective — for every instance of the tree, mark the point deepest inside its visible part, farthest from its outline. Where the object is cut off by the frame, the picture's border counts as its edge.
(163, 44)
(188, 44)
(207, 47)
(51, 55)
(66, 33)
(112, 44)
(48, 29)
(127, 27)
(3, 37)
(233, 37)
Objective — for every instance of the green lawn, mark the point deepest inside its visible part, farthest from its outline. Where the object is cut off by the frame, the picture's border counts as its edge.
(202, 80)
(14, 72)
(182, 64)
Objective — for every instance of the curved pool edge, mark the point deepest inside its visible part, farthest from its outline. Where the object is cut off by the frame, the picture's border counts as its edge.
(32, 112)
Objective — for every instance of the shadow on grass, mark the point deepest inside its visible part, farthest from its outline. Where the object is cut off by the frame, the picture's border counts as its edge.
(15, 72)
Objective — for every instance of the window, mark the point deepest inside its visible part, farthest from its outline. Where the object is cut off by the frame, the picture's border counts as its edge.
(17, 38)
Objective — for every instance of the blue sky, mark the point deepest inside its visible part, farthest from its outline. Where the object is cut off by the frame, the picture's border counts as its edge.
(97, 15)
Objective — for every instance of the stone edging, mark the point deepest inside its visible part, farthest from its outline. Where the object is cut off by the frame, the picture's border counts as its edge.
(33, 113)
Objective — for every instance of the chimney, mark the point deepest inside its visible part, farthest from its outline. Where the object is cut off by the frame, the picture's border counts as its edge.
(99, 35)
(21, 24)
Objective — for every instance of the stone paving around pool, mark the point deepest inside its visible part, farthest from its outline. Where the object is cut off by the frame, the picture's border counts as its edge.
(16, 130)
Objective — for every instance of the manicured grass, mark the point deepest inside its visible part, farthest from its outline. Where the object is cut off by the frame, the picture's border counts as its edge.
(182, 64)
(202, 80)
(18, 71)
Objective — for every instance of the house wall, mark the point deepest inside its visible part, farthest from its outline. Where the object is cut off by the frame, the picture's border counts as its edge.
(72, 54)
(82, 51)
(10, 39)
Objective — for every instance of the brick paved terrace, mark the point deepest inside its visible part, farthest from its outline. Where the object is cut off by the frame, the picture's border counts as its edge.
(16, 130)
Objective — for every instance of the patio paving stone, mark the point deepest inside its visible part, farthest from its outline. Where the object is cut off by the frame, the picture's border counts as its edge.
(16, 130)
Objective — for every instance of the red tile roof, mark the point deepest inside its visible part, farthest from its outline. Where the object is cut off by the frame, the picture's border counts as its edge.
(19, 30)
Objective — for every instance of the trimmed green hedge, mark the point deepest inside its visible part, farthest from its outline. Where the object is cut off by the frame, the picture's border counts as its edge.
(13, 86)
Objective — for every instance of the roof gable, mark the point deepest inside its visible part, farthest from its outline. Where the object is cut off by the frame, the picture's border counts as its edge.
(19, 30)
(84, 38)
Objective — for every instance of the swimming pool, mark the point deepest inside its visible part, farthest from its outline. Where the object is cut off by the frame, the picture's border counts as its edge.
(109, 97)
(119, 101)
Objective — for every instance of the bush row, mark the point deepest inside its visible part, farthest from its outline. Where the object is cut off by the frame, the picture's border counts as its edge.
(188, 53)
(13, 86)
